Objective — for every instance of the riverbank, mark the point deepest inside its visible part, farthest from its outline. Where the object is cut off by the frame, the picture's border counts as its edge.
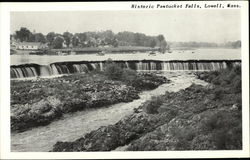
(195, 118)
(41, 101)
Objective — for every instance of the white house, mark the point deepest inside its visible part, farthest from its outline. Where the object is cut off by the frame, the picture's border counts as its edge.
(13, 44)
(30, 46)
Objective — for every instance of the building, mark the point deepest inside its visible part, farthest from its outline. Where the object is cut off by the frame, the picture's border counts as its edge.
(13, 44)
(30, 46)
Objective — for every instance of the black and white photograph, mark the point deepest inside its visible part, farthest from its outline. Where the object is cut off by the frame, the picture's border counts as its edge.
(157, 76)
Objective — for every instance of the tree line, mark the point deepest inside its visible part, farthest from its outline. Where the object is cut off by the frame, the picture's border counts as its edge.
(92, 39)
(230, 44)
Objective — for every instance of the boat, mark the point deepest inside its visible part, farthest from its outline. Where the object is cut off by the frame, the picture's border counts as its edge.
(102, 53)
(152, 54)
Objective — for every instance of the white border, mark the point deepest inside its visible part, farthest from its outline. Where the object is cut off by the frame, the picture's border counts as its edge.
(6, 8)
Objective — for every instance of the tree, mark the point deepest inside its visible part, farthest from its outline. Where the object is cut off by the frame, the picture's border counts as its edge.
(23, 35)
(108, 34)
(75, 41)
(67, 37)
(153, 43)
(82, 37)
(107, 41)
(39, 37)
(160, 37)
(50, 37)
(137, 39)
(58, 42)
(31, 37)
(236, 44)
(163, 46)
(114, 42)
(162, 43)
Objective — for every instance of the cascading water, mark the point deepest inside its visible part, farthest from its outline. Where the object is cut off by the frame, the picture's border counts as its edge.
(23, 71)
(45, 71)
(93, 66)
(54, 69)
(101, 66)
(80, 68)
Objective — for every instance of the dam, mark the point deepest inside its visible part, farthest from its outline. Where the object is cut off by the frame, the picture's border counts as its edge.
(35, 70)
(193, 60)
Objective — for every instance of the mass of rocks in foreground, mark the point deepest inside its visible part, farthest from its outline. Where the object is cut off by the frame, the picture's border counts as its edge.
(39, 102)
(195, 118)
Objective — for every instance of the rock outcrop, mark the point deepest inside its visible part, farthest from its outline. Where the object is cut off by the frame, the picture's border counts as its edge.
(39, 102)
(190, 119)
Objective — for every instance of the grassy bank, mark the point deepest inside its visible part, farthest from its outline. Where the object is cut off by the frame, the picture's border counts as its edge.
(39, 102)
(196, 118)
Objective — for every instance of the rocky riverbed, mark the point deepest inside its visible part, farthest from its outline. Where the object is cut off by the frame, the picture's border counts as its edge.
(41, 101)
(72, 126)
(196, 118)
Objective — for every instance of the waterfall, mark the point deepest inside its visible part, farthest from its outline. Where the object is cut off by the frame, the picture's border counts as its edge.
(127, 65)
(139, 66)
(54, 69)
(34, 70)
(196, 66)
(168, 66)
(152, 66)
(93, 65)
(23, 72)
(45, 71)
(80, 68)
(15, 73)
(64, 69)
(145, 66)
(101, 66)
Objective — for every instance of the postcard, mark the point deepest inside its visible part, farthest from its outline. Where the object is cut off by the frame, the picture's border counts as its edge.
(124, 80)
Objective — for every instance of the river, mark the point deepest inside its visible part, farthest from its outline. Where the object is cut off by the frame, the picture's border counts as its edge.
(72, 126)
(197, 54)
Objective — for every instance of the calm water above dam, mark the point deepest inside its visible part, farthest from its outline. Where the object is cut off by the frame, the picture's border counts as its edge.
(198, 54)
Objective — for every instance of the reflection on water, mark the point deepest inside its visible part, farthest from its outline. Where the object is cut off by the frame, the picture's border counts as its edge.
(73, 126)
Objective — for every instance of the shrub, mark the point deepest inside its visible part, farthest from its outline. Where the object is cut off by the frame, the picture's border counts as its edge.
(129, 76)
(218, 92)
(151, 106)
(138, 83)
(225, 128)
(224, 77)
(238, 101)
(228, 139)
(236, 84)
(237, 70)
(113, 71)
(210, 77)
(184, 136)
(216, 80)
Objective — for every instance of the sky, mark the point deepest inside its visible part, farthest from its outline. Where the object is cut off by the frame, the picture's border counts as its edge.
(176, 25)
